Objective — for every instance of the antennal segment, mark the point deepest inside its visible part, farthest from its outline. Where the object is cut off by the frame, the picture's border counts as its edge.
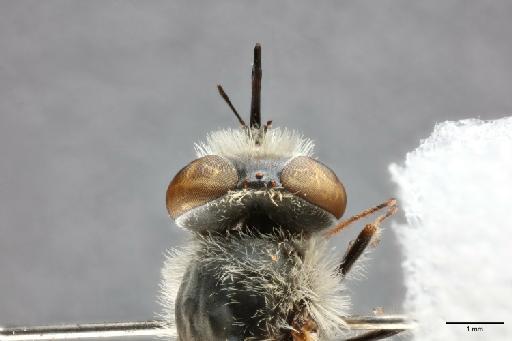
(255, 119)
(228, 101)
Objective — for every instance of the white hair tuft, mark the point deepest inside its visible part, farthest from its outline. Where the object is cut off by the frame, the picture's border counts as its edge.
(175, 265)
(287, 271)
(240, 144)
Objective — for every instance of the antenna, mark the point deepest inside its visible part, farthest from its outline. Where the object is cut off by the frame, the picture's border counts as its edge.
(228, 101)
(255, 120)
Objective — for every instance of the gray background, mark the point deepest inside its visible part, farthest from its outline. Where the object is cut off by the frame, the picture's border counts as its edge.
(101, 101)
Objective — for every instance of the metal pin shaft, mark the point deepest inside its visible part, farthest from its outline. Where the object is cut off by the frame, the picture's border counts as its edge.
(159, 328)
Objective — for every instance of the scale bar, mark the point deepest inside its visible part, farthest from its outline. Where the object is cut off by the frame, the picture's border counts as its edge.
(468, 322)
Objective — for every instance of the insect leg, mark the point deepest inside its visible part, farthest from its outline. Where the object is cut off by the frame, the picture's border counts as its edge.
(356, 248)
(369, 235)
(390, 204)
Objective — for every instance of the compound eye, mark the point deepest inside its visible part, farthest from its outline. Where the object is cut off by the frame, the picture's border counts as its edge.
(315, 183)
(200, 182)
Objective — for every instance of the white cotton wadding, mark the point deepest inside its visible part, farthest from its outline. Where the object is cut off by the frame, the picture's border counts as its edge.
(455, 190)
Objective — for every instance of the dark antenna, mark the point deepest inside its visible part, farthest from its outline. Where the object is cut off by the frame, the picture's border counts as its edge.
(255, 120)
(228, 101)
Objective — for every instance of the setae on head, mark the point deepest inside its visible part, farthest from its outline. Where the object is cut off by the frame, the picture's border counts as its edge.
(255, 177)
(236, 182)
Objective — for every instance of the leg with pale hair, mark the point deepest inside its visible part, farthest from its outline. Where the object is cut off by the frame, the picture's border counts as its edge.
(369, 235)
(390, 204)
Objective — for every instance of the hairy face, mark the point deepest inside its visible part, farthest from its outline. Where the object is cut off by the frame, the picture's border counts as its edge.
(265, 185)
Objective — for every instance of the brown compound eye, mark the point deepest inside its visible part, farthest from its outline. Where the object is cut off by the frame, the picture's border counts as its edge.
(315, 183)
(201, 181)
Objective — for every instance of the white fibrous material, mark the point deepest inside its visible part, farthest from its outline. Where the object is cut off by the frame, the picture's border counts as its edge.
(268, 267)
(456, 192)
(276, 143)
